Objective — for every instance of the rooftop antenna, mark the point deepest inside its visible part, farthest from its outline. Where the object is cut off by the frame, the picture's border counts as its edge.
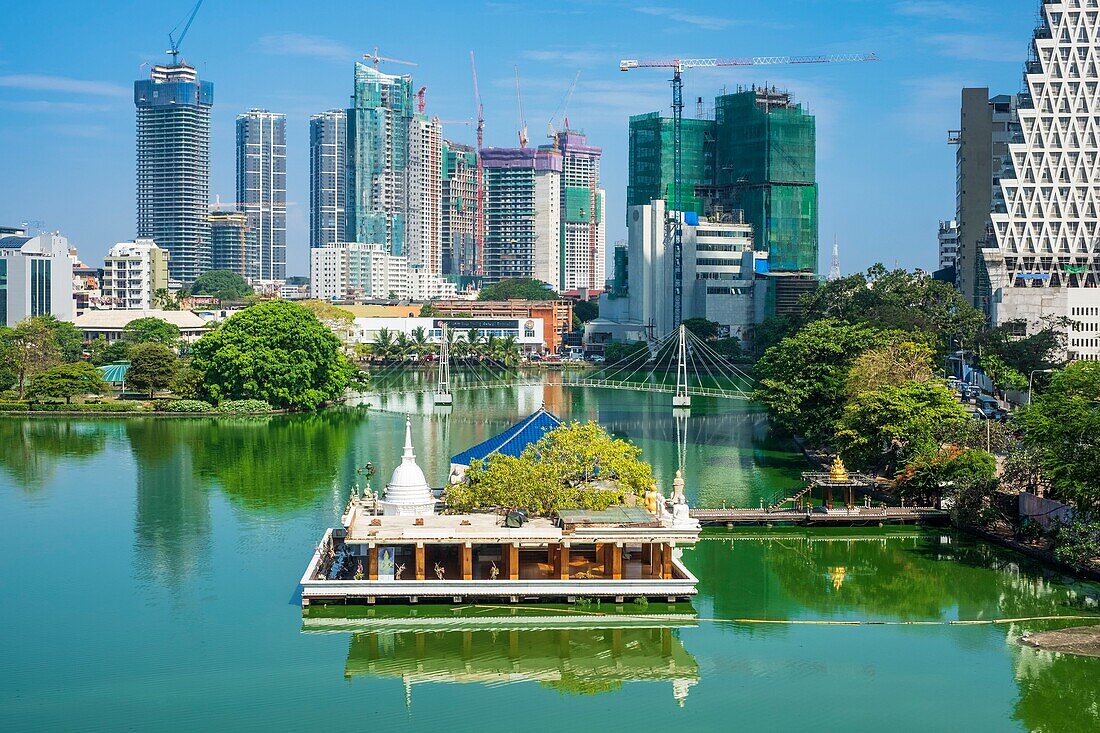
(173, 43)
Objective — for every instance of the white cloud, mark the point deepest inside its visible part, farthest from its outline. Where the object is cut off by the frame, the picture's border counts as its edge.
(978, 47)
(298, 44)
(46, 83)
(938, 10)
(705, 22)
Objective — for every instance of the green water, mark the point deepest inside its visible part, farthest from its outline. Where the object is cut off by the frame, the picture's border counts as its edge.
(151, 569)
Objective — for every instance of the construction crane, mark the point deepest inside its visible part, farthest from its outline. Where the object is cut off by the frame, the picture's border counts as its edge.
(479, 234)
(564, 109)
(420, 99)
(374, 58)
(678, 67)
(522, 119)
(173, 44)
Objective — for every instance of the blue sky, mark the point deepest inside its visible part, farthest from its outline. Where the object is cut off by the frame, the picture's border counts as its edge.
(886, 173)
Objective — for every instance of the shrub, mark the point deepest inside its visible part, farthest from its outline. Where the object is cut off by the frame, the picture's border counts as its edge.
(90, 407)
(193, 406)
(243, 407)
(1078, 543)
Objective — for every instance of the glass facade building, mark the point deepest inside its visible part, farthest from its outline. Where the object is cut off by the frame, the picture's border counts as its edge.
(261, 186)
(173, 166)
(234, 244)
(328, 144)
(41, 287)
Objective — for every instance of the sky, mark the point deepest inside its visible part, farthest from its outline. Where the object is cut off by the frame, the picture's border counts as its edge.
(886, 172)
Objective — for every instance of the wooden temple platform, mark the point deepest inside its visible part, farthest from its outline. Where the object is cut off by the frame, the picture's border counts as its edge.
(844, 517)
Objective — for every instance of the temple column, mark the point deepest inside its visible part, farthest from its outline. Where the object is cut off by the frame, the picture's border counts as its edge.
(467, 553)
(372, 562)
(656, 560)
(600, 557)
(666, 561)
(562, 562)
(513, 561)
(420, 561)
(828, 497)
(616, 560)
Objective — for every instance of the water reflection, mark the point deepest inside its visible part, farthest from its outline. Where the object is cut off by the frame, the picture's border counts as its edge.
(1059, 693)
(32, 449)
(571, 653)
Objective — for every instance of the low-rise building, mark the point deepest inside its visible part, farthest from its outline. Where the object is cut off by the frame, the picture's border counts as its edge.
(556, 315)
(350, 271)
(528, 332)
(36, 276)
(111, 323)
(133, 272)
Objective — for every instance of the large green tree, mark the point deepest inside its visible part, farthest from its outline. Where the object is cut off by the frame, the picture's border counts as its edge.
(222, 284)
(803, 379)
(575, 466)
(277, 352)
(102, 353)
(1041, 350)
(152, 367)
(152, 330)
(1062, 427)
(65, 381)
(517, 289)
(907, 301)
(30, 348)
(883, 428)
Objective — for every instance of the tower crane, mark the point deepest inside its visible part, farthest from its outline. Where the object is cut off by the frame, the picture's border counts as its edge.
(420, 99)
(564, 109)
(174, 44)
(374, 58)
(678, 67)
(479, 234)
(522, 119)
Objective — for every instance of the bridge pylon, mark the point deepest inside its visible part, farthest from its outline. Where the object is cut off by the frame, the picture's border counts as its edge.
(443, 396)
(682, 399)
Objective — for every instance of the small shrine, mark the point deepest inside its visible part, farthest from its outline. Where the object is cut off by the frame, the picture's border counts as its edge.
(837, 477)
(407, 493)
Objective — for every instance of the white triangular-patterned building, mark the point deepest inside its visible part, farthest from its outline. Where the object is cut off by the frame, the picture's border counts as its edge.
(1046, 263)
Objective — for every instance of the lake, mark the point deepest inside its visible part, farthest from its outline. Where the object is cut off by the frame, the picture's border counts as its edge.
(151, 568)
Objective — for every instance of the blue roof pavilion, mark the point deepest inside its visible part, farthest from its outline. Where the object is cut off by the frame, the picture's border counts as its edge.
(513, 440)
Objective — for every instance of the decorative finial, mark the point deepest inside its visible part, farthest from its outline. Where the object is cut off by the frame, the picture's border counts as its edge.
(837, 472)
(408, 455)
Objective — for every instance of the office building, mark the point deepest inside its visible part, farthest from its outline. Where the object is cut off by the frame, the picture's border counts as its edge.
(522, 214)
(1043, 262)
(582, 231)
(424, 217)
(328, 144)
(234, 244)
(986, 126)
(948, 238)
(459, 207)
(378, 125)
(758, 156)
(135, 275)
(351, 271)
(261, 185)
(36, 276)
(173, 166)
(720, 278)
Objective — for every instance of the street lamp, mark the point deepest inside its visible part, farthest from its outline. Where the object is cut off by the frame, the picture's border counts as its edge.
(1031, 381)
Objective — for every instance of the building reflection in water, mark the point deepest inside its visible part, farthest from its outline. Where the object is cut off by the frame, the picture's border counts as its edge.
(574, 654)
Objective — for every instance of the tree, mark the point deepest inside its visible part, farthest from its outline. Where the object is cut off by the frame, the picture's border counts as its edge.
(66, 381)
(152, 331)
(1003, 375)
(704, 329)
(576, 465)
(340, 321)
(429, 311)
(907, 301)
(632, 352)
(222, 284)
(890, 366)
(517, 289)
(1041, 350)
(152, 367)
(884, 428)
(277, 352)
(803, 379)
(103, 353)
(966, 476)
(383, 345)
(1063, 426)
(187, 383)
(29, 348)
(586, 310)
(69, 339)
(165, 300)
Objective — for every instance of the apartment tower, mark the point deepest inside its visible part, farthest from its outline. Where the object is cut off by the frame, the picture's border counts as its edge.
(261, 185)
(582, 232)
(328, 142)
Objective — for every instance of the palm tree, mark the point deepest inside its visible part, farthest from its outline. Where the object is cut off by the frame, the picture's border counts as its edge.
(383, 346)
(509, 351)
(419, 343)
(474, 343)
(402, 347)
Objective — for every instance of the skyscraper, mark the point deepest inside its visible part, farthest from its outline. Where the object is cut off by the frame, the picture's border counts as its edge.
(173, 166)
(986, 125)
(234, 244)
(459, 209)
(1045, 262)
(378, 157)
(328, 136)
(758, 155)
(583, 232)
(522, 215)
(261, 185)
(423, 222)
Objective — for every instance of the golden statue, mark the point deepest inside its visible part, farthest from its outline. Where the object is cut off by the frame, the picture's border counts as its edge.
(837, 472)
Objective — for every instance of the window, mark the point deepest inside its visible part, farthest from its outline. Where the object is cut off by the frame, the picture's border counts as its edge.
(3, 292)
(41, 301)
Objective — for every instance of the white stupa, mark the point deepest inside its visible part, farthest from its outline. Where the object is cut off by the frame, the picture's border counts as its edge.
(408, 493)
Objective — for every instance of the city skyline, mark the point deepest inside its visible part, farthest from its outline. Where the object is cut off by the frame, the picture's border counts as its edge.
(301, 64)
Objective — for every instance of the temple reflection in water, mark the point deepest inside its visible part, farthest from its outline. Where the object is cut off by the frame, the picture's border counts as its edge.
(574, 654)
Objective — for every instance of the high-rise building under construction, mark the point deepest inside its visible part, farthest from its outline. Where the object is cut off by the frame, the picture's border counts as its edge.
(460, 256)
(522, 215)
(173, 166)
(582, 235)
(758, 155)
(378, 124)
